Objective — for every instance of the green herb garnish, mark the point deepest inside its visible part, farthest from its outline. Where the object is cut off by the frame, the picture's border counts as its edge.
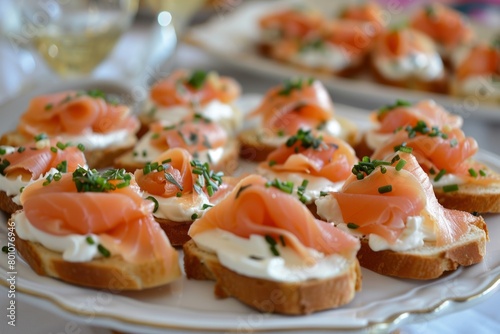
(103, 250)
(40, 137)
(285, 186)
(197, 79)
(90, 240)
(472, 172)
(450, 187)
(385, 189)
(194, 216)
(306, 140)
(272, 245)
(4, 164)
(90, 180)
(294, 84)
(439, 175)
(206, 177)
(155, 201)
(352, 226)
(170, 178)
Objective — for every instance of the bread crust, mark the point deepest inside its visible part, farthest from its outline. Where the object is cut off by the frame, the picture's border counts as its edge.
(113, 273)
(270, 296)
(471, 198)
(177, 232)
(7, 204)
(228, 163)
(429, 261)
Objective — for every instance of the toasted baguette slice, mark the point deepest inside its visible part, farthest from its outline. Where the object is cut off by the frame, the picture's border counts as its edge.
(362, 148)
(486, 94)
(428, 261)
(254, 148)
(177, 232)
(271, 296)
(104, 273)
(100, 158)
(471, 198)
(7, 204)
(228, 163)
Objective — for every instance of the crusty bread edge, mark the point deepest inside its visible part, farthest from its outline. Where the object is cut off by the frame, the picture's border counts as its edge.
(270, 296)
(7, 204)
(113, 273)
(177, 232)
(417, 265)
(471, 197)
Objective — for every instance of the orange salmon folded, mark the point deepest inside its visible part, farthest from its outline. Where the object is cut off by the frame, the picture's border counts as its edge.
(104, 213)
(390, 204)
(260, 224)
(20, 166)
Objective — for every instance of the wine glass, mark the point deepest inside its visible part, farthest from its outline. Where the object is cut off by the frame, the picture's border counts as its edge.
(75, 36)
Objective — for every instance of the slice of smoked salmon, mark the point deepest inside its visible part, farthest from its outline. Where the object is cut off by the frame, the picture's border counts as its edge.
(443, 24)
(293, 23)
(402, 42)
(403, 114)
(34, 160)
(194, 135)
(324, 156)
(75, 113)
(369, 12)
(185, 87)
(254, 208)
(175, 173)
(370, 209)
(482, 60)
(120, 217)
(297, 104)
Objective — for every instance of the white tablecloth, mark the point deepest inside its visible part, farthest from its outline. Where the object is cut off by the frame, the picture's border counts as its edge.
(481, 318)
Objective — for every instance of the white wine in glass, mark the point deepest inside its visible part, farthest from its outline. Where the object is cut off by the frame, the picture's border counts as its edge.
(75, 36)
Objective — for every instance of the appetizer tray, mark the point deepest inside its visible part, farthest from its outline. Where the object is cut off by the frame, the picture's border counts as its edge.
(236, 46)
(190, 306)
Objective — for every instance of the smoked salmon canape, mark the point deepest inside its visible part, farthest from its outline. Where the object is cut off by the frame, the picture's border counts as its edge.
(391, 207)
(94, 229)
(260, 239)
(297, 23)
(187, 92)
(206, 140)
(477, 72)
(311, 165)
(41, 159)
(341, 48)
(447, 156)
(298, 103)
(407, 58)
(182, 189)
(392, 117)
(447, 27)
(91, 118)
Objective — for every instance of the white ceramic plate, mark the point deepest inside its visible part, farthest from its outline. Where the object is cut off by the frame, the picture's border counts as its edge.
(232, 34)
(190, 306)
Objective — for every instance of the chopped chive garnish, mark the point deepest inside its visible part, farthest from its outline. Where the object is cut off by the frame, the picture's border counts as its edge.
(57, 176)
(280, 133)
(2, 151)
(81, 147)
(90, 240)
(194, 216)
(197, 79)
(323, 193)
(155, 201)
(306, 140)
(482, 172)
(384, 110)
(40, 137)
(396, 158)
(272, 163)
(453, 142)
(292, 84)
(432, 171)
(21, 149)
(90, 180)
(472, 172)
(439, 175)
(62, 166)
(450, 187)
(61, 146)
(48, 106)
(352, 226)
(385, 189)
(285, 186)
(272, 245)
(53, 149)
(103, 250)
(179, 194)
(405, 149)
(401, 164)
(210, 190)
(206, 206)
